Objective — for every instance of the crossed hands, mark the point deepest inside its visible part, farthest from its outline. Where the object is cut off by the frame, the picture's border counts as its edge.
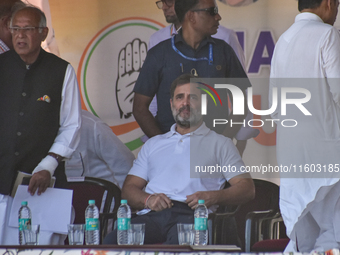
(159, 201)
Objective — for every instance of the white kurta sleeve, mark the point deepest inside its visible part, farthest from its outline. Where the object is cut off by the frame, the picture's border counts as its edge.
(68, 135)
(113, 152)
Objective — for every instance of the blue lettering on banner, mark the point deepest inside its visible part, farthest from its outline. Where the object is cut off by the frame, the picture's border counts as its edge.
(263, 52)
(240, 37)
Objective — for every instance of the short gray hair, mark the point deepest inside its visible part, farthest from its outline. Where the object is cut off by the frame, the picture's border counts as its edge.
(42, 22)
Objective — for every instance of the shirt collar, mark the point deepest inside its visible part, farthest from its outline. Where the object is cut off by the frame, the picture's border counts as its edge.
(308, 16)
(202, 130)
(36, 62)
(173, 30)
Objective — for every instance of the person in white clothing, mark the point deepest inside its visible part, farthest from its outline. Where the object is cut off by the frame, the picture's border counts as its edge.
(309, 197)
(100, 153)
(164, 184)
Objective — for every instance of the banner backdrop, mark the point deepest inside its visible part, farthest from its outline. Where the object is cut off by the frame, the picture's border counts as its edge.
(106, 42)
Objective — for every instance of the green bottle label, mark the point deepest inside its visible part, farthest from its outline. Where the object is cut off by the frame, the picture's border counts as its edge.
(124, 223)
(92, 224)
(201, 223)
(23, 223)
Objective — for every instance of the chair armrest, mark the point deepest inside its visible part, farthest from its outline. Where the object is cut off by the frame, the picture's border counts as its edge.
(253, 226)
(218, 218)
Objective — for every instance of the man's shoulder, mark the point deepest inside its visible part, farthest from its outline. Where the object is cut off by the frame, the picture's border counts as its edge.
(224, 33)
(159, 36)
(52, 57)
(89, 117)
(159, 47)
(222, 47)
(157, 138)
(162, 34)
(310, 27)
(8, 59)
(217, 138)
(7, 54)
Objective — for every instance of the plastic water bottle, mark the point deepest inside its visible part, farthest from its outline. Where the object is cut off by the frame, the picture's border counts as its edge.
(25, 219)
(124, 218)
(201, 224)
(92, 224)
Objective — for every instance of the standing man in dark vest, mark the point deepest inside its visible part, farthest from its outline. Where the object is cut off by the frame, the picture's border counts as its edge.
(39, 112)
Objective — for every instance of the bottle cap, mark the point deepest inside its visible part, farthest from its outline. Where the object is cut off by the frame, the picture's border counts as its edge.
(123, 201)
(92, 202)
(201, 201)
(24, 203)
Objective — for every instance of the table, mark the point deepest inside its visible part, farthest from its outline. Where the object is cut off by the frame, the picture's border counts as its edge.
(117, 249)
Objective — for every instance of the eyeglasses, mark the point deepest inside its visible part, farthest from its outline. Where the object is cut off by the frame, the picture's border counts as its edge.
(212, 10)
(168, 3)
(25, 30)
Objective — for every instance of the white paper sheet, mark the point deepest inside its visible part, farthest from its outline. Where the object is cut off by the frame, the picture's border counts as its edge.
(52, 209)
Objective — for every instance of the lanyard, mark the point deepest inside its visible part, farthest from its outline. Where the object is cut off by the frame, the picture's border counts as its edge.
(210, 60)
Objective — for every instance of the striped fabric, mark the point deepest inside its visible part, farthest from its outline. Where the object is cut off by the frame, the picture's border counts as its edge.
(3, 47)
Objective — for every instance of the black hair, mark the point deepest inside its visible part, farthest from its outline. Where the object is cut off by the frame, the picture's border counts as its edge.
(308, 4)
(183, 6)
(180, 80)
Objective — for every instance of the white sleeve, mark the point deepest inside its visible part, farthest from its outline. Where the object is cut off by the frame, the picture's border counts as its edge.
(151, 42)
(331, 62)
(140, 165)
(68, 135)
(113, 152)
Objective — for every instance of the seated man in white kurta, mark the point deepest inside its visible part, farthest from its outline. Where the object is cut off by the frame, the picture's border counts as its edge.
(166, 167)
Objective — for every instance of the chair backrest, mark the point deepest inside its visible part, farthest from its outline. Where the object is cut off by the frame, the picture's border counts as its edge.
(93, 189)
(266, 198)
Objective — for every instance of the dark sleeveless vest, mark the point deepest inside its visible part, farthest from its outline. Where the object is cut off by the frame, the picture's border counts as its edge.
(30, 99)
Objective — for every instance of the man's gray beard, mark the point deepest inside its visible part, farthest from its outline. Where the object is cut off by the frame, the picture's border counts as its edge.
(193, 120)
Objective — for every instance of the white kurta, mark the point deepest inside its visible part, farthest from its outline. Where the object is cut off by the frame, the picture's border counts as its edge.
(309, 49)
(104, 155)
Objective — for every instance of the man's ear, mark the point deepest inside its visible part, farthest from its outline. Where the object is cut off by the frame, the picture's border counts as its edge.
(329, 4)
(44, 33)
(171, 102)
(6, 21)
(190, 16)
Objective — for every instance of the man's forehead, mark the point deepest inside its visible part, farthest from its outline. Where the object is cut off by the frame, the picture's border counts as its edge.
(27, 16)
(188, 88)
